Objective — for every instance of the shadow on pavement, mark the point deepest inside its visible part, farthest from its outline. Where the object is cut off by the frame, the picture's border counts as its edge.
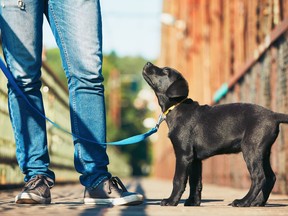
(158, 201)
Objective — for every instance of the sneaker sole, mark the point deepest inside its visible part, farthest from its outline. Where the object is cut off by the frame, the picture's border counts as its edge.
(127, 200)
(29, 198)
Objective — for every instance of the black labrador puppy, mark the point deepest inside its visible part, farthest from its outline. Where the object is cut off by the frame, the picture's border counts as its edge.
(199, 132)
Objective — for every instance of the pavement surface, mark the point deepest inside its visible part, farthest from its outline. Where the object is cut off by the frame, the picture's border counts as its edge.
(67, 200)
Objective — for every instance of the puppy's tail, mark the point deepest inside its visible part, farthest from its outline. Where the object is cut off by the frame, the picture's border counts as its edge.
(281, 118)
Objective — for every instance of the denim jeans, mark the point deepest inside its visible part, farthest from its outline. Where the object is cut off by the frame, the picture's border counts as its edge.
(77, 28)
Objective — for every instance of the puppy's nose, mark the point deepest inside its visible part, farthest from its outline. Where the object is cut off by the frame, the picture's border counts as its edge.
(148, 64)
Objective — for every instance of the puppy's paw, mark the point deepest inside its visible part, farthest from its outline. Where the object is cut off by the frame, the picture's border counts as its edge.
(240, 203)
(192, 202)
(168, 202)
(258, 203)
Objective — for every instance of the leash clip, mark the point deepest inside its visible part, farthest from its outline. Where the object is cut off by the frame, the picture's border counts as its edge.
(162, 117)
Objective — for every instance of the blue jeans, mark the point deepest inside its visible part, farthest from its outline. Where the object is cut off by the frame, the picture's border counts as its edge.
(76, 25)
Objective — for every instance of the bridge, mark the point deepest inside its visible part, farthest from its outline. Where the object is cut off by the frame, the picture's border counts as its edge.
(239, 53)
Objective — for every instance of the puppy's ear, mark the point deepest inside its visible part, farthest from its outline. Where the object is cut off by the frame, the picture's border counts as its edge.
(179, 88)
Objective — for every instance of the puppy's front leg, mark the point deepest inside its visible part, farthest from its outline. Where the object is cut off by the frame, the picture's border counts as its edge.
(179, 183)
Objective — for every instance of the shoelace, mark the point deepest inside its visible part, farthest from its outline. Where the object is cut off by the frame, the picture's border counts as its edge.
(116, 182)
(34, 182)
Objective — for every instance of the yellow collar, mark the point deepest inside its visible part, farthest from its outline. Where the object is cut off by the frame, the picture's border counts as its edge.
(172, 107)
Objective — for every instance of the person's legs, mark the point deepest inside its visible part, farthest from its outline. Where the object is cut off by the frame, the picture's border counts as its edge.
(77, 28)
(22, 46)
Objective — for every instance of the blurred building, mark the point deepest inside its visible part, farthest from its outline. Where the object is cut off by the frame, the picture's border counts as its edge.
(229, 51)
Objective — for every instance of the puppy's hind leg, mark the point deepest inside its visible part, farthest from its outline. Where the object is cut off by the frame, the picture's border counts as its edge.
(254, 156)
(270, 177)
(263, 195)
(258, 181)
(195, 182)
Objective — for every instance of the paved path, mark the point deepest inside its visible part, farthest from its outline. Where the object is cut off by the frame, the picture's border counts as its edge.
(66, 200)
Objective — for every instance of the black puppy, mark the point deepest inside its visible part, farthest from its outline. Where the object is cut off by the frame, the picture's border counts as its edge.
(199, 132)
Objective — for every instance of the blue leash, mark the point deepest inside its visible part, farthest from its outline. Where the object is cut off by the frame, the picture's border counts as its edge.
(127, 141)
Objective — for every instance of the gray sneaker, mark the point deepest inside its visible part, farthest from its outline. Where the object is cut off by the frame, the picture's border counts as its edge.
(35, 191)
(109, 193)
